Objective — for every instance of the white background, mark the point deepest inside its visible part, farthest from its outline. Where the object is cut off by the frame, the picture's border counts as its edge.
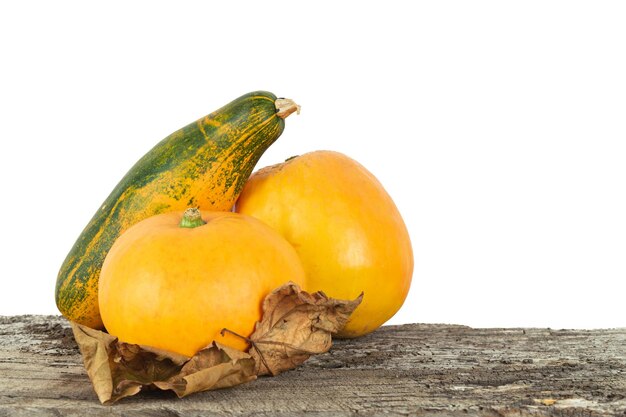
(498, 128)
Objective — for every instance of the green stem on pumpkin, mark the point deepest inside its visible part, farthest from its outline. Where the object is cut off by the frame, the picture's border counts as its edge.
(191, 218)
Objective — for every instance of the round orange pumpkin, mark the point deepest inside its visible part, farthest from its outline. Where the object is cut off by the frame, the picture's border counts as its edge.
(345, 227)
(174, 282)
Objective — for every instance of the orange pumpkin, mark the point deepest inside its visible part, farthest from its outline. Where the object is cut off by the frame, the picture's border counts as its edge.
(345, 227)
(174, 282)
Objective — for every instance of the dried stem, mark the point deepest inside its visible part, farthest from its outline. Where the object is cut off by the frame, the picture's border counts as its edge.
(286, 106)
(252, 345)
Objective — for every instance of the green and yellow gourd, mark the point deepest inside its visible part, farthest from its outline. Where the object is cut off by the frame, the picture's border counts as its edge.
(204, 165)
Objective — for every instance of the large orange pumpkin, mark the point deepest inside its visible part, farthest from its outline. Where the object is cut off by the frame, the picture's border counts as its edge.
(345, 227)
(174, 281)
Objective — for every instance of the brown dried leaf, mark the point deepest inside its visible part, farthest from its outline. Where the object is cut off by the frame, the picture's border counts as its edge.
(119, 369)
(211, 368)
(296, 325)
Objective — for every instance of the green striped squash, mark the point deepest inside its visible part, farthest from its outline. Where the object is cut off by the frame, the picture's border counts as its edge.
(205, 164)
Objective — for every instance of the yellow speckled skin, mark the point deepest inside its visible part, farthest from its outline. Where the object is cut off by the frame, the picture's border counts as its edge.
(345, 227)
(176, 288)
(204, 165)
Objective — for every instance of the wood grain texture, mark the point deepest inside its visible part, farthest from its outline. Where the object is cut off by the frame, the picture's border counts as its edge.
(417, 370)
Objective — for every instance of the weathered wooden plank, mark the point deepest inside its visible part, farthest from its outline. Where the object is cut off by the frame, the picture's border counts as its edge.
(441, 370)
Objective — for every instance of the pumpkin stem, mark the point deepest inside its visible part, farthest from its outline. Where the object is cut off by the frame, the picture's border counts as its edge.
(285, 106)
(192, 218)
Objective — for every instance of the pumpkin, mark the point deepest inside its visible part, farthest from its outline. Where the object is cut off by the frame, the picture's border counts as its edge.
(174, 281)
(204, 164)
(345, 227)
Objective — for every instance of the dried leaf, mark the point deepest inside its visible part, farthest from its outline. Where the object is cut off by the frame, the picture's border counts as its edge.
(212, 368)
(296, 325)
(119, 369)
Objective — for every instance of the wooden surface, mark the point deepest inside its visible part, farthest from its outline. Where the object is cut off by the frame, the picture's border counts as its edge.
(440, 370)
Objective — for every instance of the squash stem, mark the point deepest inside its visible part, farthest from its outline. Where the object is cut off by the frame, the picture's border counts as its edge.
(286, 106)
(191, 218)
